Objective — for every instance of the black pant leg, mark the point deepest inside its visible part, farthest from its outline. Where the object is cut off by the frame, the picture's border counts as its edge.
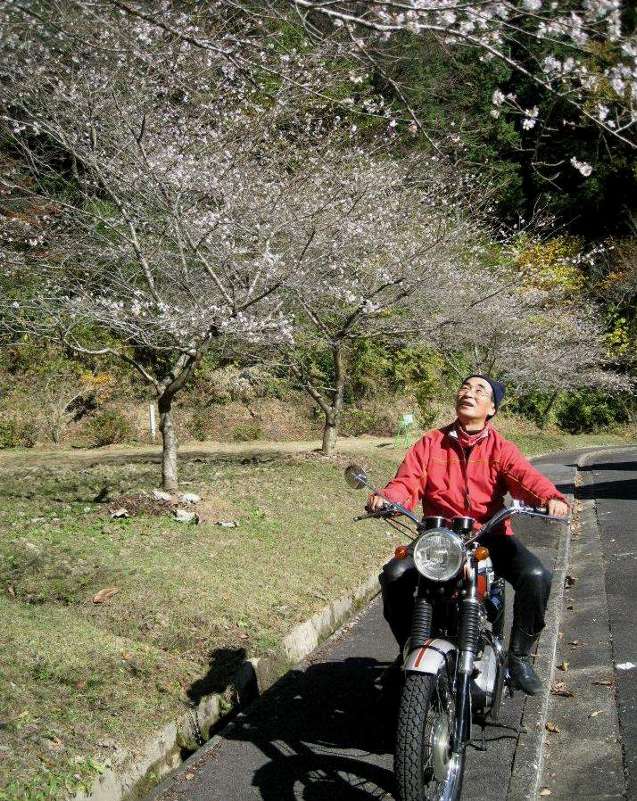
(398, 583)
(527, 575)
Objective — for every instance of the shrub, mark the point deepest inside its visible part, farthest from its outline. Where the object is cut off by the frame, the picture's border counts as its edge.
(591, 410)
(199, 424)
(377, 421)
(15, 433)
(108, 428)
(247, 432)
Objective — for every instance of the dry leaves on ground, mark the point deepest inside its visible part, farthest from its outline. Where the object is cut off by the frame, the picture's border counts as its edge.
(104, 595)
(563, 666)
(560, 688)
(552, 727)
(604, 683)
(569, 581)
(546, 791)
(596, 713)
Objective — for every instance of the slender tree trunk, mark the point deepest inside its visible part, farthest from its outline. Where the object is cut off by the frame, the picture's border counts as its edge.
(333, 414)
(330, 432)
(169, 444)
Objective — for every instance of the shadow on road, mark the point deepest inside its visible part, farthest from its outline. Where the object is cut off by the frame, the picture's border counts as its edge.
(619, 489)
(320, 731)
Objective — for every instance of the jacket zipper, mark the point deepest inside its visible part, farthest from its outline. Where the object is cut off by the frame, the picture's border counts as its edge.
(465, 468)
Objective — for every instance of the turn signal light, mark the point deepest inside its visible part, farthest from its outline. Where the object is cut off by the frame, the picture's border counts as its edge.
(481, 553)
(401, 552)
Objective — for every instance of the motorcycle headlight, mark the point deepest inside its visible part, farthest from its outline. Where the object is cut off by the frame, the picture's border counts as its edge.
(439, 554)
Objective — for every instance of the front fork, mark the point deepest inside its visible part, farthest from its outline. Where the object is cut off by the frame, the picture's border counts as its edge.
(468, 640)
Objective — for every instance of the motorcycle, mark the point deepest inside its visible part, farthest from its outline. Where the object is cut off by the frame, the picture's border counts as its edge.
(454, 664)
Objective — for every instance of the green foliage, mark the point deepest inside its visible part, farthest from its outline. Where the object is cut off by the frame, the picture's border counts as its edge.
(108, 428)
(198, 425)
(376, 420)
(247, 432)
(590, 410)
(539, 407)
(15, 433)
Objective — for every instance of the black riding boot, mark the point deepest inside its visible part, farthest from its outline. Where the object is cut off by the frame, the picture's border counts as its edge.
(523, 676)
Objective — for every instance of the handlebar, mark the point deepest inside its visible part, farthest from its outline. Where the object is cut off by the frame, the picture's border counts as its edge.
(392, 509)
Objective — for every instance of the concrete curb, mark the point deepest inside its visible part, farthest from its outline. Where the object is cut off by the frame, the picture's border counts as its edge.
(529, 753)
(136, 774)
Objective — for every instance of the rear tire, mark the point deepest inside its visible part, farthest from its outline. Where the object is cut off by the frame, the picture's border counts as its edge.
(424, 768)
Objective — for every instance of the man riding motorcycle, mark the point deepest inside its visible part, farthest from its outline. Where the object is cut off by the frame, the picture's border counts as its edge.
(466, 469)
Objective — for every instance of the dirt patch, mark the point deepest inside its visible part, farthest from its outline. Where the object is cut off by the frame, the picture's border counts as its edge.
(141, 503)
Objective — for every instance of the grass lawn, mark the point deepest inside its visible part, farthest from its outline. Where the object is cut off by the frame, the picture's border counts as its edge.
(81, 682)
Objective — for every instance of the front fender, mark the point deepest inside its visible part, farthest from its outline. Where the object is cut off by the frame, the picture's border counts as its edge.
(431, 657)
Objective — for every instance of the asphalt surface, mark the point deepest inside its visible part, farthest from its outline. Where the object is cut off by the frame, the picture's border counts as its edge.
(325, 731)
(613, 485)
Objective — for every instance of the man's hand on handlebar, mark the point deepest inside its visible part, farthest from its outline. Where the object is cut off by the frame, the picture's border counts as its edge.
(375, 503)
(557, 508)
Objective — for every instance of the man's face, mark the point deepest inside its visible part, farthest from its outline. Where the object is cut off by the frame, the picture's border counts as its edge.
(474, 400)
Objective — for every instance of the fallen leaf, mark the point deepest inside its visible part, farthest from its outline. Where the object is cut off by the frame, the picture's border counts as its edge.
(550, 726)
(575, 643)
(104, 595)
(569, 581)
(80, 685)
(189, 776)
(243, 636)
(127, 655)
(546, 791)
(119, 514)
(604, 682)
(596, 713)
(563, 666)
(559, 688)
(11, 590)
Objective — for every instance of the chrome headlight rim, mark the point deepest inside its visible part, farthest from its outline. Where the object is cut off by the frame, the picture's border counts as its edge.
(456, 549)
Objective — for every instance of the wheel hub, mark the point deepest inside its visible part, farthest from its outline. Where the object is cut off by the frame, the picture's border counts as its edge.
(440, 748)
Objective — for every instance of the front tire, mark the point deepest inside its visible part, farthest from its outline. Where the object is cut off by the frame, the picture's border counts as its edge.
(424, 768)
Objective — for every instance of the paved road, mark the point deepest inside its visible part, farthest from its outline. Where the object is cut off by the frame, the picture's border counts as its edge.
(614, 489)
(325, 731)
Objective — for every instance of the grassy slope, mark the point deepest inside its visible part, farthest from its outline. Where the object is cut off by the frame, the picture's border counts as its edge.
(192, 600)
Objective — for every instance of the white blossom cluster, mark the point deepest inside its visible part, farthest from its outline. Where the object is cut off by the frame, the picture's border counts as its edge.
(601, 58)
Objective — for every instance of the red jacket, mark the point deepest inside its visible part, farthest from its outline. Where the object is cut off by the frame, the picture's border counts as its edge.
(436, 471)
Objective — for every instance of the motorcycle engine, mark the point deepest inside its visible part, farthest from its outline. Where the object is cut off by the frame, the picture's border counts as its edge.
(483, 684)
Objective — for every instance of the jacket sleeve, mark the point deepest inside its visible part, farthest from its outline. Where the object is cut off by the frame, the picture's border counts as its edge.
(524, 482)
(408, 485)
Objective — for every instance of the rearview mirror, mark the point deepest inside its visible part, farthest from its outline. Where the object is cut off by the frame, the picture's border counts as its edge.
(356, 476)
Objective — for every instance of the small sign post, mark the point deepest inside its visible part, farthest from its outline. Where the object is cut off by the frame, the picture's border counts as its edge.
(152, 424)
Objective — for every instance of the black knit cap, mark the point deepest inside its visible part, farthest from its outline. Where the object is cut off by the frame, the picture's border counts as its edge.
(498, 388)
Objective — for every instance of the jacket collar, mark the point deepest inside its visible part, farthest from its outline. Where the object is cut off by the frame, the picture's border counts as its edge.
(465, 439)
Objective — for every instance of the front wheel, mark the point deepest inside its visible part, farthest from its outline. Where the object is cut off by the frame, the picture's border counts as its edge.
(424, 767)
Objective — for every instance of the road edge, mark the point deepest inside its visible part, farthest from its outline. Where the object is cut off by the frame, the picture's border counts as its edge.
(137, 774)
(528, 763)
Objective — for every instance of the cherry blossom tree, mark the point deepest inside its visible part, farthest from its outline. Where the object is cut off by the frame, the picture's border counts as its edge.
(583, 52)
(391, 246)
(533, 339)
(146, 209)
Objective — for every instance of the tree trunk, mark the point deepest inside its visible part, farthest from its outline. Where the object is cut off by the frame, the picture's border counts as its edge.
(169, 444)
(330, 432)
(545, 414)
(333, 415)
